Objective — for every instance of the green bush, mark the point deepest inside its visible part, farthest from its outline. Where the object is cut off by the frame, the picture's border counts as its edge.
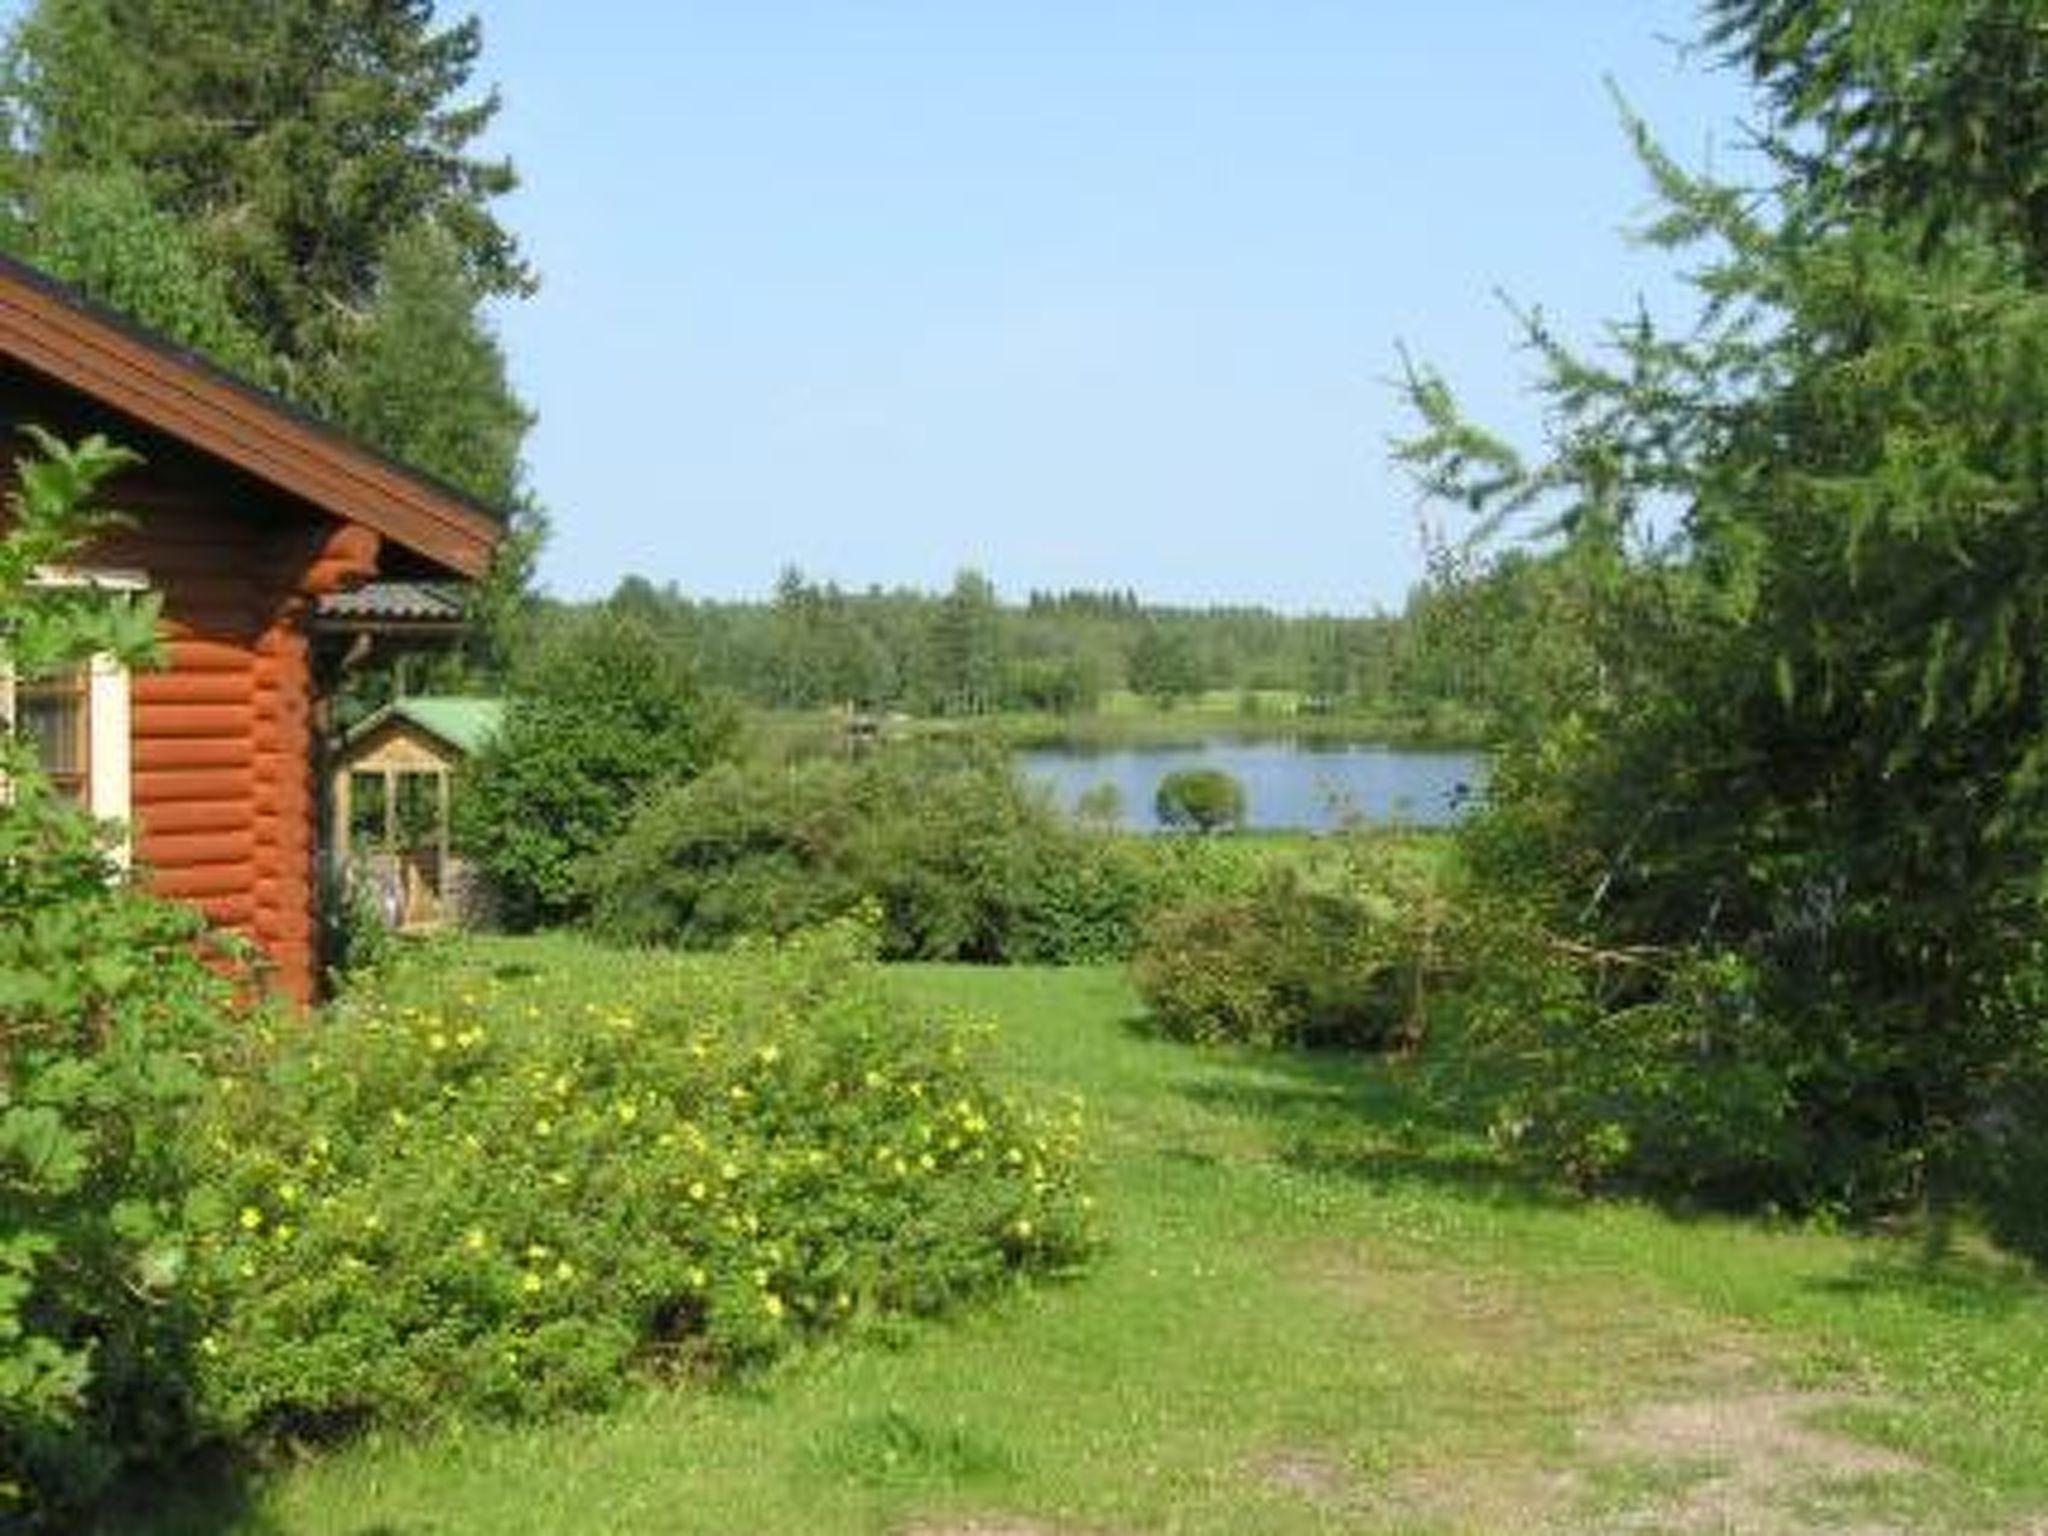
(1631, 1070)
(107, 1018)
(1309, 957)
(963, 860)
(1729, 1069)
(1205, 799)
(507, 1189)
(605, 710)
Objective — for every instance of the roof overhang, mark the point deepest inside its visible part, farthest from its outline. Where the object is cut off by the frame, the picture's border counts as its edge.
(110, 359)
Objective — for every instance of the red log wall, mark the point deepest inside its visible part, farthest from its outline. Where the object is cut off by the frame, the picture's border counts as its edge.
(224, 808)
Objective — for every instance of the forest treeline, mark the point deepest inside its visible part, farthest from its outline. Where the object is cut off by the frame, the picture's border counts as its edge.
(1452, 660)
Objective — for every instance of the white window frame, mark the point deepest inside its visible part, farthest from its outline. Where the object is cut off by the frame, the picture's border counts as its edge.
(110, 709)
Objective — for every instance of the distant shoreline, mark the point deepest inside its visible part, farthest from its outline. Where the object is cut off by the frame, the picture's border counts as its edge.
(1132, 726)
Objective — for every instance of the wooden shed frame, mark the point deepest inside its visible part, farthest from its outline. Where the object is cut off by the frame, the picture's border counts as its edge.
(430, 737)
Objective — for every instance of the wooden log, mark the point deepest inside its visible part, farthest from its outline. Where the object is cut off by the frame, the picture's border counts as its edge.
(202, 881)
(174, 719)
(207, 653)
(175, 819)
(196, 850)
(232, 912)
(154, 755)
(171, 786)
(153, 689)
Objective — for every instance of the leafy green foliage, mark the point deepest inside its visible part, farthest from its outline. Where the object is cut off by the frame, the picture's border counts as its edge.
(300, 203)
(1806, 784)
(1163, 664)
(295, 141)
(601, 714)
(512, 1189)
(102, 232)
(106, 1012)
(814, 644)
(425, 377)
(959, 857)
(1330, 952)
(1203, 799)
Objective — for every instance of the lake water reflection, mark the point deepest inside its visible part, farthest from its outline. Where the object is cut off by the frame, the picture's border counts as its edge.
(1289, 785)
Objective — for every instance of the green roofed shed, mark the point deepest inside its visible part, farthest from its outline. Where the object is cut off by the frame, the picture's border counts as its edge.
(461, 721)
(390, 798)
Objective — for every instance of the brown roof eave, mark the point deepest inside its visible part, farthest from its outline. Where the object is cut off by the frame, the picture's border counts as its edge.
(58, 334)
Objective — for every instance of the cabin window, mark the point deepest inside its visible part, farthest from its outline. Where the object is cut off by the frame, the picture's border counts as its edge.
(76, 722)
(54, 716)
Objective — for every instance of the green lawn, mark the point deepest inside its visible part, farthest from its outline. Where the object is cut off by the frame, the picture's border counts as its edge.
(1319, 1311)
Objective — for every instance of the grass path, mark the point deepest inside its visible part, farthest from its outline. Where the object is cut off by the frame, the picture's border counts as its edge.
(1317, 1313)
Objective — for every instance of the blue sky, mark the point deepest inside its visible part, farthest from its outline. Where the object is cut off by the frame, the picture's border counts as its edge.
(1076, 292)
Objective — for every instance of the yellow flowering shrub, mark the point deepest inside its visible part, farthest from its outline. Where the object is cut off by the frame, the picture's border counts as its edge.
(514, 1178)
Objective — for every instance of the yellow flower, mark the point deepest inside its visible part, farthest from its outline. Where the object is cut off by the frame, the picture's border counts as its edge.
(697, 1189)
(564, 1270)
(251, 1218)
(474, 1241)
(530, 1282)
(1022, 1227)
(770, 1054)
(772, 1304)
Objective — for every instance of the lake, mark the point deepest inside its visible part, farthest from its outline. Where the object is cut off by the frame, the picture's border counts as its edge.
(1288, 785)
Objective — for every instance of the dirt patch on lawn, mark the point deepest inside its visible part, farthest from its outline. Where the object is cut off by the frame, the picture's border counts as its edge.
(1754, 1461)
(1305, 1474)
(1576, 1404)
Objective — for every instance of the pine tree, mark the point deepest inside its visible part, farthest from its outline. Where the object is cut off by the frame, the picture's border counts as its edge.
(296, 139)
(296, 197)
(1821, 758)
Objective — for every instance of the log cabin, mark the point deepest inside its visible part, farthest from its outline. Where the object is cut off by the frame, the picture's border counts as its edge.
(245, 513)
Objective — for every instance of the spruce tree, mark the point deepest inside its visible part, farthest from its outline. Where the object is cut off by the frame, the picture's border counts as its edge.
(1816, 530)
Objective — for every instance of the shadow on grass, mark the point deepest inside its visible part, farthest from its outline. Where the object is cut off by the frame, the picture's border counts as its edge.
(1366, 1117)
(211, 1495)
(1388, 1123)
(1963, 1284)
